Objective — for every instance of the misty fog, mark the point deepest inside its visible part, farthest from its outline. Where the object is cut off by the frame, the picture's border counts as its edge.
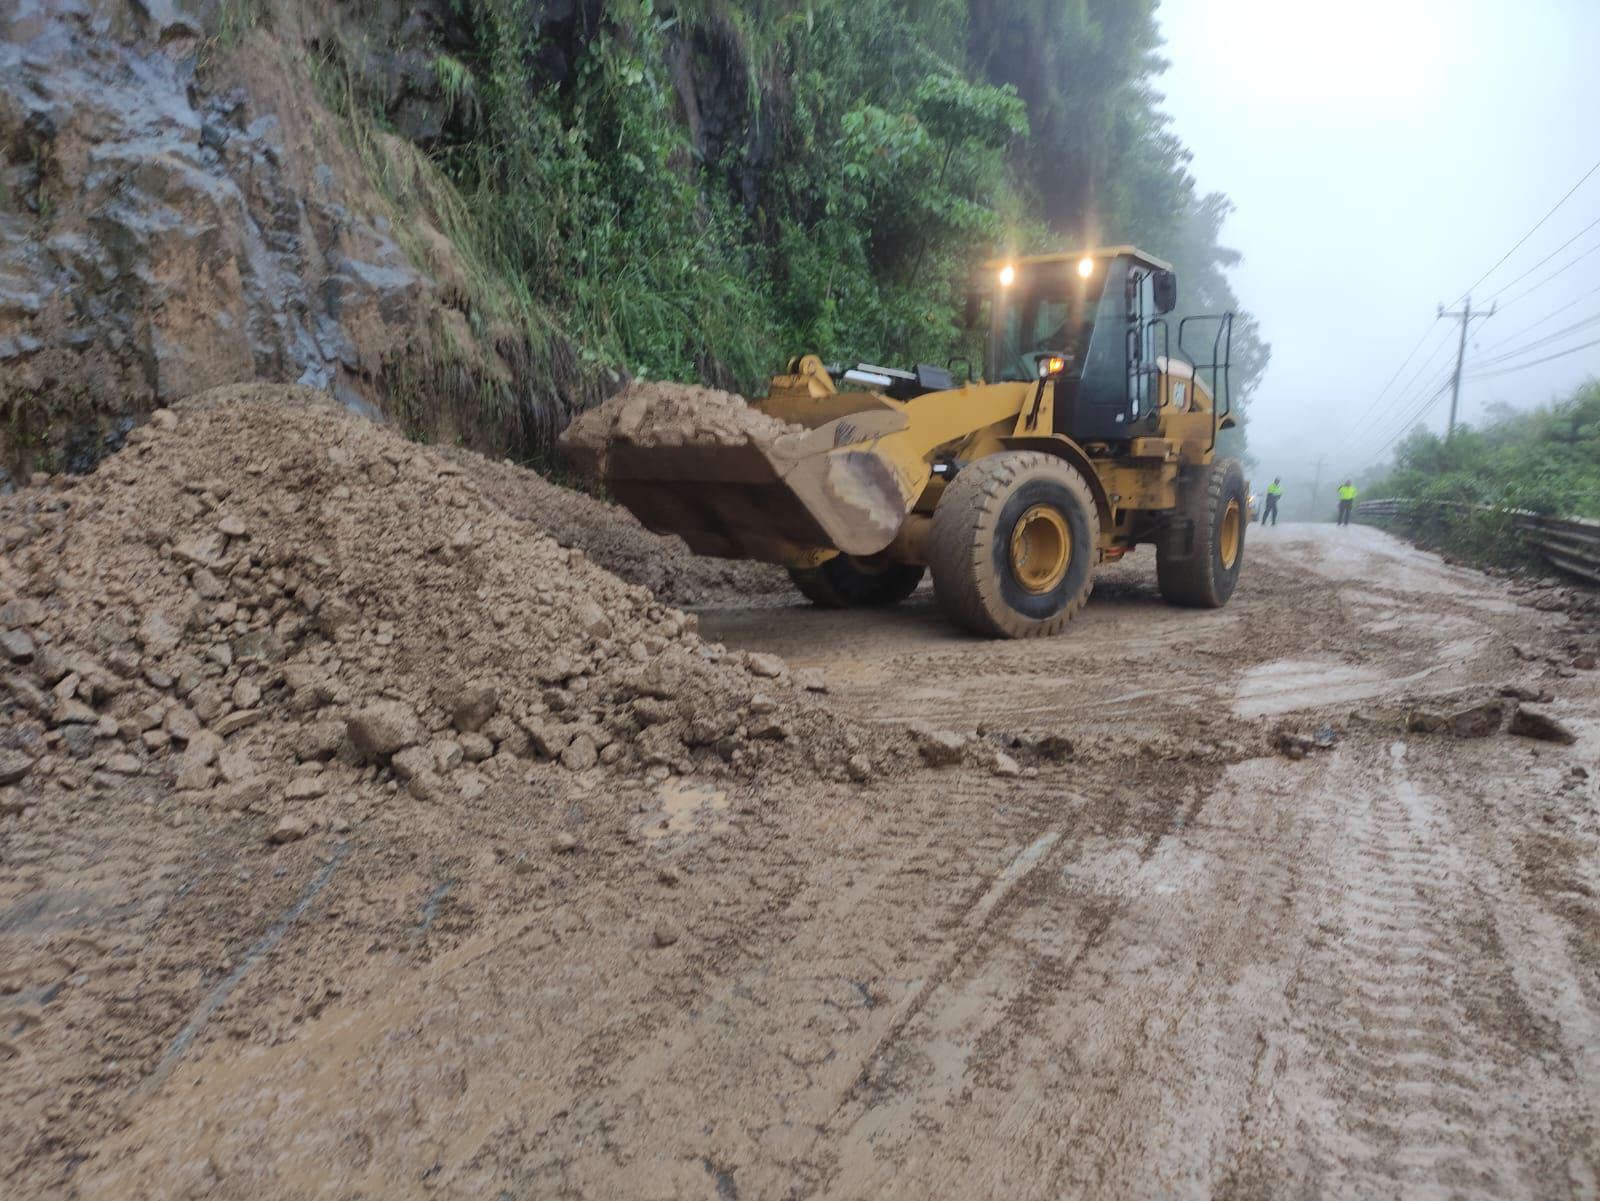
(1383, 156)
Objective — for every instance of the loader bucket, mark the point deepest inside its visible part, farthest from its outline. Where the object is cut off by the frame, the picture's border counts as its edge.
(741, 484)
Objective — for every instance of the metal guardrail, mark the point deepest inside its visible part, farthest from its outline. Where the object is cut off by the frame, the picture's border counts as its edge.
(1569, 543)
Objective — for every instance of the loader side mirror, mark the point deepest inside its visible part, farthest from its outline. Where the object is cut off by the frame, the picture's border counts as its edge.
(1165, 287)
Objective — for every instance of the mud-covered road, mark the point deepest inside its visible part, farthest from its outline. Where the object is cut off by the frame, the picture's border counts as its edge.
(1178, 964)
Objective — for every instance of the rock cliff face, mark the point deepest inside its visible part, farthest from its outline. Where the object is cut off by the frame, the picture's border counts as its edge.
(176, 214)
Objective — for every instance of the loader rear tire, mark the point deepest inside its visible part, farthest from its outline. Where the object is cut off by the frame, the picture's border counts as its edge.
(1199, 555)
(1015, 539)
(846, 583)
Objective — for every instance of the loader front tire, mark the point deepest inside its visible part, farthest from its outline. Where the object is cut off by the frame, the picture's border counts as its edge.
(846, 583)
(1199, 555)
(1015, 539)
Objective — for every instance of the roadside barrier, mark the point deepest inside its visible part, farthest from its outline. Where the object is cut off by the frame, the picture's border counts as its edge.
(1569, 543)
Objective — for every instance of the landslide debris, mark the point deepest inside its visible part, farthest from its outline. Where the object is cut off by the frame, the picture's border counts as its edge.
(265, 598)
(614, 538)
(663, 415)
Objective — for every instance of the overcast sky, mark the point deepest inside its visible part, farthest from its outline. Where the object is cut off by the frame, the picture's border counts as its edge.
(1383, 155)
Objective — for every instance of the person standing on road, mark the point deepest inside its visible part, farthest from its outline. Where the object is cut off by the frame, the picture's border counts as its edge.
(1347, 501)
(1274, 490)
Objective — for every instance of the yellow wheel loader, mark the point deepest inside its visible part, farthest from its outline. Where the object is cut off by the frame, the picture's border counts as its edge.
(1091, 430)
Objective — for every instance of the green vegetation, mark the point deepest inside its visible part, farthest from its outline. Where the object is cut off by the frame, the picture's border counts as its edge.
(1544, 460)
(700, 190)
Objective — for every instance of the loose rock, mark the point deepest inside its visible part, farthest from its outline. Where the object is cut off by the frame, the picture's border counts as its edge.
(380, 730)
(17, 645)
(1535, 723)
(290, 828)
(941, 748)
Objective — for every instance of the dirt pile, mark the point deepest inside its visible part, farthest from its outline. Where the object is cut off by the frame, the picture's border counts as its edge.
(667, 415)
(614, 538)
(266, 600)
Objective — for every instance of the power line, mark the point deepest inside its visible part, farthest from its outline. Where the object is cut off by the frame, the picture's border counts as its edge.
(1537, 343)
(1546, 258)
(1403, 364)
(1405, 408)
(1553, 313)
(1578, 258)
(1419, 403)
(1417, 415)
(1539, 224)
(1360, 424)
(1549, 358)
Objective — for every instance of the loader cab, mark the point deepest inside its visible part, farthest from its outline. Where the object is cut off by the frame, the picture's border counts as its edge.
(1096, 324)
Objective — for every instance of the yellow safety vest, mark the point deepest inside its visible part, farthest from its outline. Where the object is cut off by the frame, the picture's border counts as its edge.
(1274, 490)
(1346, 492)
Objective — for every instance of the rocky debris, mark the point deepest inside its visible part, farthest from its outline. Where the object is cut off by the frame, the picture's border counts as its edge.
(17, 645)
(1517, 692)
(381, 729)
(564, 843)
(473, 705)
(1536, 723)
(1032, 746)
(859, 768)
(665, 933)
(414, 761)
(1292, 744)
(1005, 766)
(475, 748)
(940, 748)
(768, 667)
(1474, 721)
(613, 538)
(14, 766)
(298, 651)
(580, 754)
(658, 415)
(319, 740)
(290, 828)
(304, 788)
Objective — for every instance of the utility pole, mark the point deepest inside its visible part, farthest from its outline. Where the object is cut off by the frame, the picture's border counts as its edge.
(1465, 316)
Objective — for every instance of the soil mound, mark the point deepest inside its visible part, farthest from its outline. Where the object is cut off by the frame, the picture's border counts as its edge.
(264, 597)
(614, 538)
(667, 415)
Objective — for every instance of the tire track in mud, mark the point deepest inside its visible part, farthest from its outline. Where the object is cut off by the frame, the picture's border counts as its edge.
(1408, 1057)
(1025, 1073)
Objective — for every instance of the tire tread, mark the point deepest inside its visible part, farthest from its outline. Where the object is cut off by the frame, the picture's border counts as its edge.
(961, 555)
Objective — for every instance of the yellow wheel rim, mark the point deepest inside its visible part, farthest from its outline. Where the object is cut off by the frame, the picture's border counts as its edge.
(1041, 548)
(1232, 535)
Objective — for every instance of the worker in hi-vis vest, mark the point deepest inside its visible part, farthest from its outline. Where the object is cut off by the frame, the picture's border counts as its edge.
(1347, 501)
(1274, 491)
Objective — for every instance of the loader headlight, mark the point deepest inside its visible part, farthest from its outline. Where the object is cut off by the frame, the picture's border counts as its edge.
(1008, 275)
(1051, 366)
(1086, 267)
